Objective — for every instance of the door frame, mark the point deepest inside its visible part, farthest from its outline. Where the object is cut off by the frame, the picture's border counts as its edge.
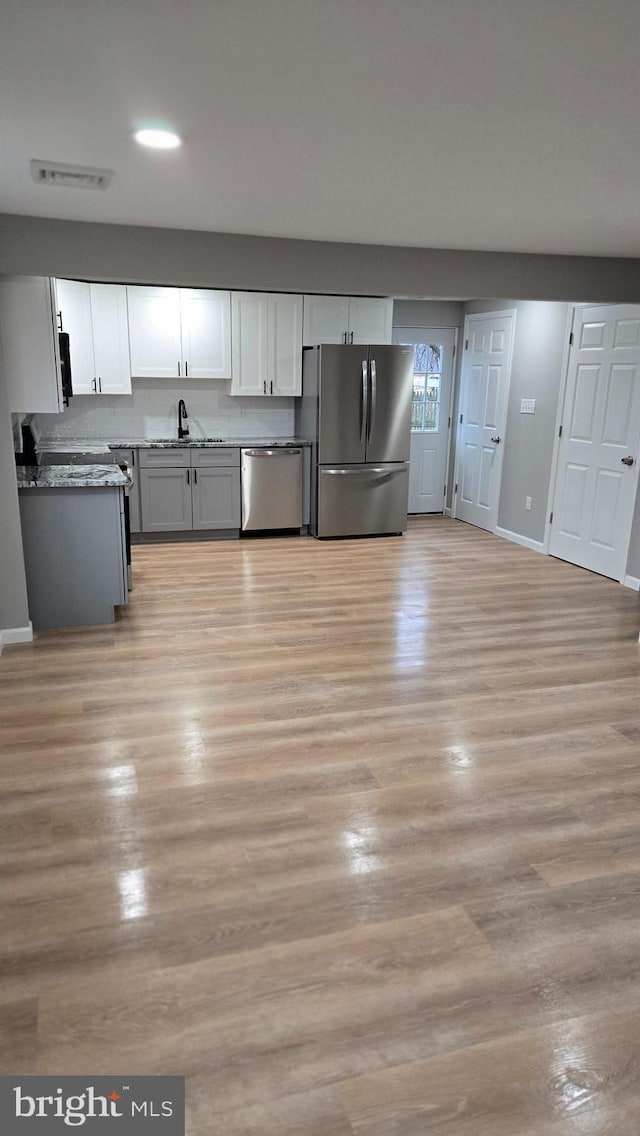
(626, 580)
(455, 328)
(562, 391)
(505, 408)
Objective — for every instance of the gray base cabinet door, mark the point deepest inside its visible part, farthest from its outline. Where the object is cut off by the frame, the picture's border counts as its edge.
(216, 497)
(165, 497)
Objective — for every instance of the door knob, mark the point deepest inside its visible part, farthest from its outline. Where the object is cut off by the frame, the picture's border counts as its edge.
(497, 440)
(627, 461)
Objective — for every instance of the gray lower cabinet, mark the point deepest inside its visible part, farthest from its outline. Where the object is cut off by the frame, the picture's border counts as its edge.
(216, 497)
(75, 555)
(165, 500)
(184, 490)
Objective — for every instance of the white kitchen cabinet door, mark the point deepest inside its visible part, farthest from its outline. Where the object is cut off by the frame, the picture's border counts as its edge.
(155, 342)
(285, 345)
(29, 335)
(326, 319)
(249, 330)
(206, 333)
(370, 320)
(110, 338)
(74, 302)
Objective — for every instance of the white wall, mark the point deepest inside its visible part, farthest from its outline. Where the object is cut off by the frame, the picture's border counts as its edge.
(14, 611)
(151, 412)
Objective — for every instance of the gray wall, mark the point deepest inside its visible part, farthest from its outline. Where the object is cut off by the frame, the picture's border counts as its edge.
(427, 313)
(44, 246)
(540, 339)
(13, 592)
(633, 562)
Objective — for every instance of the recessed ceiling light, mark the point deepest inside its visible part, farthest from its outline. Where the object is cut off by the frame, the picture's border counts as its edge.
(158, 139)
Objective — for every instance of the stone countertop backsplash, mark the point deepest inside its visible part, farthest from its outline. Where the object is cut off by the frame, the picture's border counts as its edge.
(82, 446)
(92, 476)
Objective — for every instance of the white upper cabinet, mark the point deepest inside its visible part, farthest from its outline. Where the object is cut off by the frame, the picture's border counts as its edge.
(285, 344)
(205, 318)
(95, 316)
(326, 319)
(155, 340)
(249, 320)
(110, 338)
(177, 333)
(74, 303)
(347, 319)
(370, 320)
(29, 334)
(266, 333)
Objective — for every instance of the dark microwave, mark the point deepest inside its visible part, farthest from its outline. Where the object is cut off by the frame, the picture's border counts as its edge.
(65, 366)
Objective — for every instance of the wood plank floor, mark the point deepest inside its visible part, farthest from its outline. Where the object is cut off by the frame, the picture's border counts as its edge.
(347, 833)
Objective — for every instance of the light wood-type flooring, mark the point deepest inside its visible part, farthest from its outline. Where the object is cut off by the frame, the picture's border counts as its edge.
(348, 833)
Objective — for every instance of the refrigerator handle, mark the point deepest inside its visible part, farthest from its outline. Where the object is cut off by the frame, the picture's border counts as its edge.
(364, 408)
(372, 415)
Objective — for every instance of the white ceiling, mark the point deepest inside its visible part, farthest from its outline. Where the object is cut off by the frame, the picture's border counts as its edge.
(481, 124)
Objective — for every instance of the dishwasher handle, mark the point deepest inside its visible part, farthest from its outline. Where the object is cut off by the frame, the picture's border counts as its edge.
(279, 453)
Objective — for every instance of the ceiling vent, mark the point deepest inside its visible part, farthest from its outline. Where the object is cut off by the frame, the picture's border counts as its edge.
(75, 177)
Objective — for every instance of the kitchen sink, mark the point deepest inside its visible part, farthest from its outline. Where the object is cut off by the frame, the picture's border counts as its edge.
(184, 441)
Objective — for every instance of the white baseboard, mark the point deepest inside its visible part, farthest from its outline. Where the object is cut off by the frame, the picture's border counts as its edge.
(16, 635)
(632, 582)
(447, 510)
(517, 538)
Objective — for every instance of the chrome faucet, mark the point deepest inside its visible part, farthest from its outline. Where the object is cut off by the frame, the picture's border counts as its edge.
(183, 431)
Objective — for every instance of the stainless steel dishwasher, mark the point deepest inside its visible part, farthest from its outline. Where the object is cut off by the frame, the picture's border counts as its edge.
(272, 488)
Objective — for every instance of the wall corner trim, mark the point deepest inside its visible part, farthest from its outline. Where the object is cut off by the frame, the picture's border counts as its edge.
(16, 635)
(517, 538)
(632, 582)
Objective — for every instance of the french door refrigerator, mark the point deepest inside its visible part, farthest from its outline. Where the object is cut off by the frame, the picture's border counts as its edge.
(356, 412)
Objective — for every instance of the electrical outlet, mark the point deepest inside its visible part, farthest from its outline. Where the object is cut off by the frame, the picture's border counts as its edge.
(527, 405)
(527, 504)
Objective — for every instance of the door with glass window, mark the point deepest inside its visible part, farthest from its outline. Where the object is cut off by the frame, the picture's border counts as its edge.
(430, 413)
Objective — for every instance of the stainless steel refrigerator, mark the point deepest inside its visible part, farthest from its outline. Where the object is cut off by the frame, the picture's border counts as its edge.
(355, 411)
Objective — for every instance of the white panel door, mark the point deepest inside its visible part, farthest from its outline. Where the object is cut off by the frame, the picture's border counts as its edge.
(206, 333)
(110, 338)
(597, 469)
(486, 366)
(74, 300)
(326, 319)
(430, 411)
(285, 344)
(370, 320)
(154, 333)
(249, 330)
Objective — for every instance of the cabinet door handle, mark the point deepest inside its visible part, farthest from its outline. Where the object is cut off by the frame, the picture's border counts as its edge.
(188, 478)
(100, 383)
(186, 369)
(271, 386)
(95, 386)
(178, 368)
(59, 316)
(264, 387)
(351, 340)
(195, 477)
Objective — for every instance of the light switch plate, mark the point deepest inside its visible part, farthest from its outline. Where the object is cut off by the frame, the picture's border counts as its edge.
(527, 405)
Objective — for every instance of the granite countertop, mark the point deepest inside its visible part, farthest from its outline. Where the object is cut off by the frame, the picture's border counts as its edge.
(69, 477)
(81, 447)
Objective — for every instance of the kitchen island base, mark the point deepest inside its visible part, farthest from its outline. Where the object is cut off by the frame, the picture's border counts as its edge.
(75, 554)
